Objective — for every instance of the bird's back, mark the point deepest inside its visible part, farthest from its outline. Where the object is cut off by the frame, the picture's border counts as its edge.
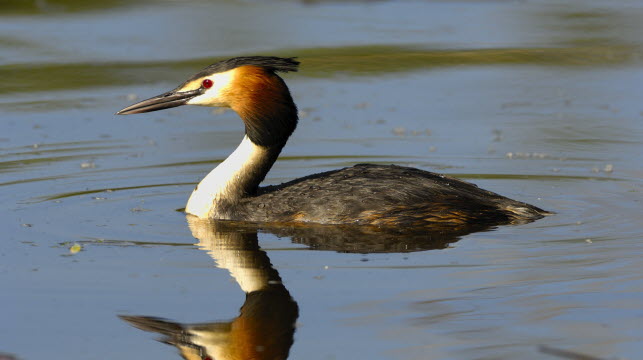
(383, 195)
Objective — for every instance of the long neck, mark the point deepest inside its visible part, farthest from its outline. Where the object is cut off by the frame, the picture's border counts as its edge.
(236, 177)
(263, 101)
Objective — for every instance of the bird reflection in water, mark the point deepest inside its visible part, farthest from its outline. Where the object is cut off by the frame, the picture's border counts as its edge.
(265, 326)
(369, 239)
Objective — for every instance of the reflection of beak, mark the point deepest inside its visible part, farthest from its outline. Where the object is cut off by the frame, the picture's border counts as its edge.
(164, 101)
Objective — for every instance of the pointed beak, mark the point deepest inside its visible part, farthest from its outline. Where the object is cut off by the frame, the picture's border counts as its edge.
(164, 101)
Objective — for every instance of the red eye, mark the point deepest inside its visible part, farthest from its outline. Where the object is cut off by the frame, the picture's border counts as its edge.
(207, 83)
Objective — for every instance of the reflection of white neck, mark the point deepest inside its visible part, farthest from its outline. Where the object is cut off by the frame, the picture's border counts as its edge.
(231, 180)
(244, 267)
(232, 250)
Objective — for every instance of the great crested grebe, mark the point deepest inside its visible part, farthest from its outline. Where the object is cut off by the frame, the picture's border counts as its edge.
(380, 195)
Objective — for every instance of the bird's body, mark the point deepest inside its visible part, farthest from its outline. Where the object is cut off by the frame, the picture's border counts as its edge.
(382, 195)
(363, 194)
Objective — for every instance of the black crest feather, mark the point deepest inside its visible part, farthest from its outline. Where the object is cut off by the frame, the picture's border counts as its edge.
(272, 63)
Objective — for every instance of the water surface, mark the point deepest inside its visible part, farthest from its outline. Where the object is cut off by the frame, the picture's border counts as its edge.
(538, 101)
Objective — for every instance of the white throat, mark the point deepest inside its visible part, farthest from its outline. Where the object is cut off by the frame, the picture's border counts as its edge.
(230, 181)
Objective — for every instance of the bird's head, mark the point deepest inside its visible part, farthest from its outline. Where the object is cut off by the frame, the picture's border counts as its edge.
(249, 85)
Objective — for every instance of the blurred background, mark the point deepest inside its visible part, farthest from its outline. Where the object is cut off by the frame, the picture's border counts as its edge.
(539, 101)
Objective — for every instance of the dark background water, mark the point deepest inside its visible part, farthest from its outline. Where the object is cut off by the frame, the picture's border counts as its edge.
(537, 100)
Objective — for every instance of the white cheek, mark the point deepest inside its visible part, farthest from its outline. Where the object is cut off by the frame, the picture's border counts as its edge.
(213, 96)
(209, 98)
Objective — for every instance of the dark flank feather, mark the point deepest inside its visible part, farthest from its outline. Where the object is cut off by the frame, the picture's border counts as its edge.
(383, 195)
